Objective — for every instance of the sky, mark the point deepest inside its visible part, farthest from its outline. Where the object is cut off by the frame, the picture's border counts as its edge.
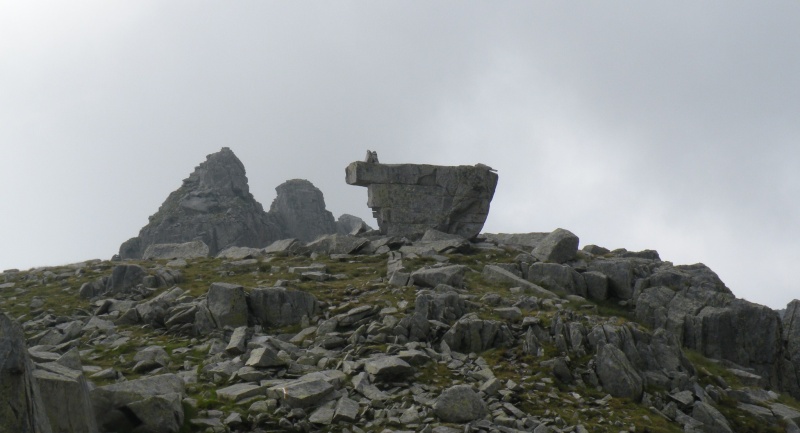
(665, 125)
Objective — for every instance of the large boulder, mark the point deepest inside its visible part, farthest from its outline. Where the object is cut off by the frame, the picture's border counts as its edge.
(123, 278)
(408, 199)
(21, 406)
(616, 373)
(459, 404)
(150, 404)
(276, 306)
(472, 334)
(227, 304)
(559, 246)
(300, 209)
(350, 225)
(65, 394)
(452, 275)
(214, 205)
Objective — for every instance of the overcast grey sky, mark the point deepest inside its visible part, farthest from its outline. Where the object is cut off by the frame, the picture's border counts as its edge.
(668, 125)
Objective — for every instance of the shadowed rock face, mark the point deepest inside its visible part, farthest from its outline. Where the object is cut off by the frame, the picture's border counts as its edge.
(408, 199)
(214, 205)
(300, 209)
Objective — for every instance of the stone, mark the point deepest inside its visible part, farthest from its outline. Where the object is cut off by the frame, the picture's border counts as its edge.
(21, 406)
(65, 394)
(386, 368)
(213, 205)
(337, 244)
(521, 240)
(123, 278)
(616, 373)
(227, 304)
(283, 246)
(559, 246)
(299, 208)
(278, 307)
(452, 275)
(459, 404)
(408, 199)
(265, 357)
(185, 250)
(301, 393)
(237, 345)
(556, 276)
(149, 404)
(346, 410)
(351, 225)
(240, 253)
(154, 311)
(596, 285)
(471, 334)
(497, 274)
(713, 421)
(240, 391)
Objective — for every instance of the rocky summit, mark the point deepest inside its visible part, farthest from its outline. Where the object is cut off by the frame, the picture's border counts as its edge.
(214, 206)
(408, 199)
(372, 333)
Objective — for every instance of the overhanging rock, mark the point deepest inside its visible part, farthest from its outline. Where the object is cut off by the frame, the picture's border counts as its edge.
(408, 199)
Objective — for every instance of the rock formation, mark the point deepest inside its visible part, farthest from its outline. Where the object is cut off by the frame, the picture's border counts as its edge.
(214, 206)
(299, 209)
(408, 199)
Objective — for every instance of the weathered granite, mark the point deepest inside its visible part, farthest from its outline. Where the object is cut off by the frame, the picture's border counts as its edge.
(408, 199)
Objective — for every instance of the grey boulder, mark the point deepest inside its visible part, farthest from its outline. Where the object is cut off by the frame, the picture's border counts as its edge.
(559, 246)
(276, 306)
(452, 275)
(150, 404)
(459, 404)
(617, 374)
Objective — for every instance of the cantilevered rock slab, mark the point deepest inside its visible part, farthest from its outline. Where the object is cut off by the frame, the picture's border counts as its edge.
(408, 199)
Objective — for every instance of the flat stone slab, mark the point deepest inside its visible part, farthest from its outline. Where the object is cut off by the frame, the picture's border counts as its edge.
(241, 391)
(388, 367)
(301, 393)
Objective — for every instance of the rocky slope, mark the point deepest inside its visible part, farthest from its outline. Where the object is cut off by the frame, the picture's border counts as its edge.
(214, 205)
(504, 333)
